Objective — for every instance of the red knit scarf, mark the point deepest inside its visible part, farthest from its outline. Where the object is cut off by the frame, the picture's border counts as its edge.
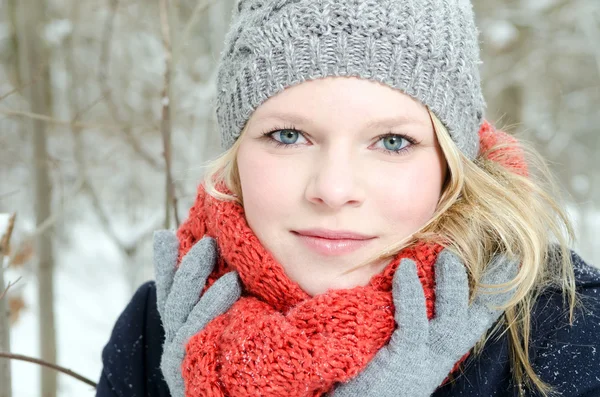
(276, 340)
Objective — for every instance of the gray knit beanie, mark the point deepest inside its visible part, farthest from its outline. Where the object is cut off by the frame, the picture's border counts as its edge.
(428, 49)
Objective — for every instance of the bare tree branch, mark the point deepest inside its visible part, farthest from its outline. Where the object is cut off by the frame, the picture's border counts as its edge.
(6, 235)
(128, 247)
(58, 368)
(9, 93)
(591, 30)
(53, 120)
(200, 8)
(8, 194)
(106, 43)
(5, 370)
(103, 72)
(166, 126)
(8, 286)
(89, 188)
(19, 86)
(50, 221)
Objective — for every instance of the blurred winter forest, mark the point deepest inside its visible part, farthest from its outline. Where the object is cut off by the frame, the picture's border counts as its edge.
(106, 118)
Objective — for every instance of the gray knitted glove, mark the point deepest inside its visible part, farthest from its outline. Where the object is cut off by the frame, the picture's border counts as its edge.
(182, 313)
(421, 353)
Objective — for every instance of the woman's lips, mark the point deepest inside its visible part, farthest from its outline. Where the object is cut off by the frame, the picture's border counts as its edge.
(332, 246)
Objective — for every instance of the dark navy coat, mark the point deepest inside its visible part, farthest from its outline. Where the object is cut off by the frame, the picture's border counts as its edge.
(567, 357)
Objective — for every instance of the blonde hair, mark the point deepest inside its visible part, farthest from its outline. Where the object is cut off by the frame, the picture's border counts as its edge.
(485, 208)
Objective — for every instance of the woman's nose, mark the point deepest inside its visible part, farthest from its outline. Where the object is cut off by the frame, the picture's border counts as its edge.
(335, 182)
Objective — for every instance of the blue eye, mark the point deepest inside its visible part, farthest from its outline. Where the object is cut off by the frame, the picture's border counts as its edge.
(288, 137)
(394, 142)
(285, 137)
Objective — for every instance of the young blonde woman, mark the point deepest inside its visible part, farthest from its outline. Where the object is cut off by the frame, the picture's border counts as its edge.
(365, 232)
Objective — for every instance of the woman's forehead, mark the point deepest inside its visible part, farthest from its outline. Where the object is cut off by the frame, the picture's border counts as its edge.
(340, 98)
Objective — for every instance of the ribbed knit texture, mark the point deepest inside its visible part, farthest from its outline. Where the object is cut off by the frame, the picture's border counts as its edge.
(426, 48)
(277, 340)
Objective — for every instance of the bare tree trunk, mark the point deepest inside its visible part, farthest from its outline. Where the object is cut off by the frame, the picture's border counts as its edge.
(166, 21)
(43, 198)
(34, 65)
(219, 16)
(5, 375)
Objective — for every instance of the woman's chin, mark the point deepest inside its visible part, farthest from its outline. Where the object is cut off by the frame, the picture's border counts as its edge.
(320, 286)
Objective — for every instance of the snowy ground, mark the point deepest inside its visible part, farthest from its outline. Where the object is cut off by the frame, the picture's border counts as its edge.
(88, 302)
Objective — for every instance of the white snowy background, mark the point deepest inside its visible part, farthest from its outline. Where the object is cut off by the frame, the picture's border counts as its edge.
(541, 75)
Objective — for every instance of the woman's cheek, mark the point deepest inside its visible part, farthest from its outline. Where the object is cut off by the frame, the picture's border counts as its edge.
(410, 201)
(271, 183)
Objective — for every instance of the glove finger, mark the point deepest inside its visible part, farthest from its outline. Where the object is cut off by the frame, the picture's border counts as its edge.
(170, 365)
(188, 283)
(411, 310)
(485, 308)
(452, 288)
(215, 301)
(166, 250)
(502, 270)
(374, 380)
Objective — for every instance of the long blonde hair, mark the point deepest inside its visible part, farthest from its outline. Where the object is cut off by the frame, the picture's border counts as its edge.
(484, 209)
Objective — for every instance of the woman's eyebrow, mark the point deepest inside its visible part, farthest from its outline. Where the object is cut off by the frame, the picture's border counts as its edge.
(391, 122)
(372, 124)
(285, 117)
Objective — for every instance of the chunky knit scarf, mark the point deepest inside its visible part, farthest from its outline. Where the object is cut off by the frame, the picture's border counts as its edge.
(278, 341)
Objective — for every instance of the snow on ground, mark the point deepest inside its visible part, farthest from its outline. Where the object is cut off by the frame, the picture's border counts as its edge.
(90, 293)
(4, 218)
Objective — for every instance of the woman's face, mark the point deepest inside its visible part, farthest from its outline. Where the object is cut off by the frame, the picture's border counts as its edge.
(335, 170)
